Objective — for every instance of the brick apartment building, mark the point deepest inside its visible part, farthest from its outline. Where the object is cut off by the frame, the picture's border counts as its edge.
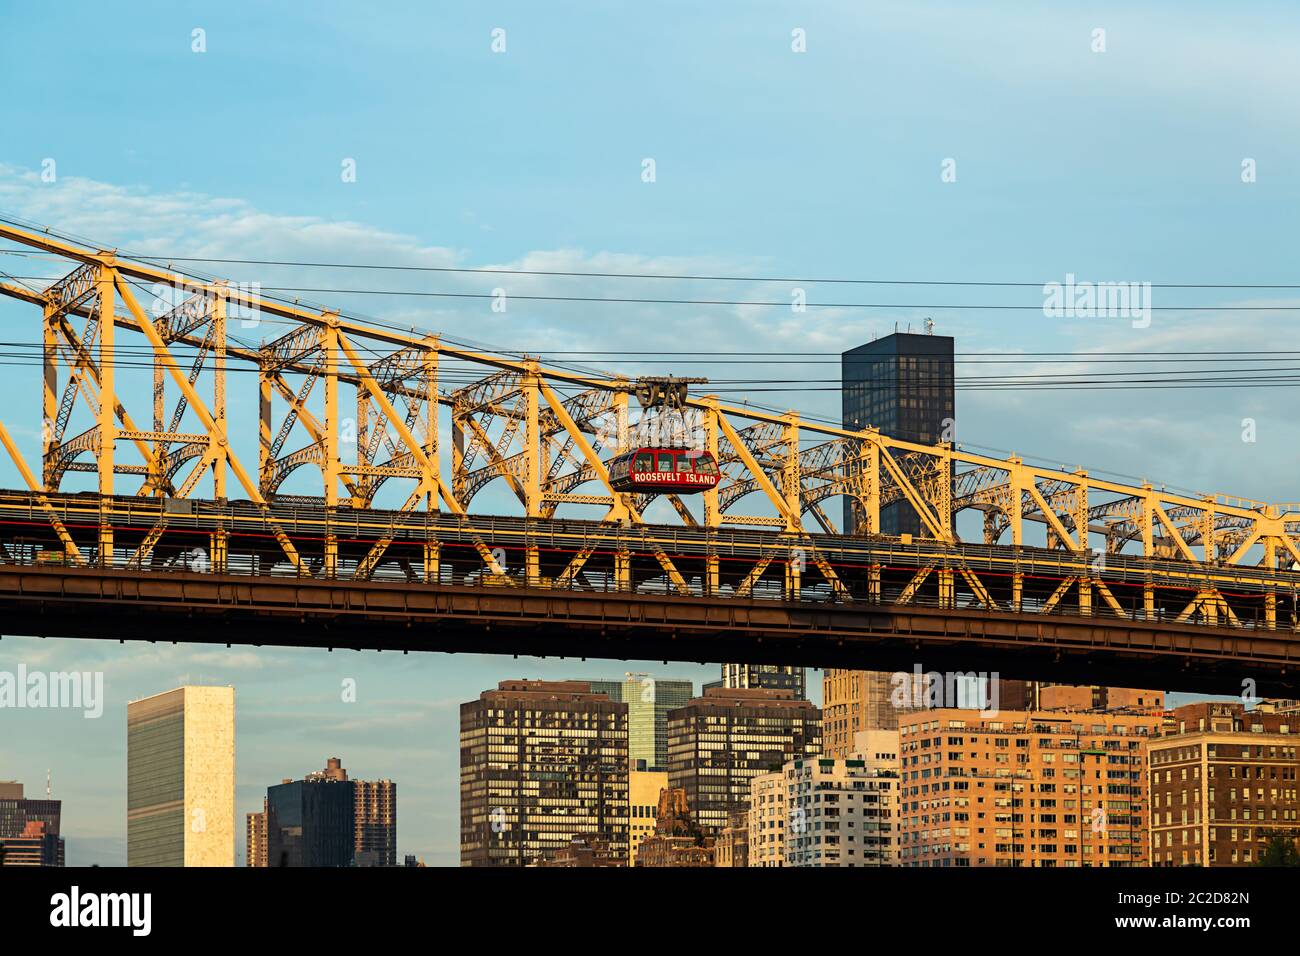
(1037, 789)
(1223, 784)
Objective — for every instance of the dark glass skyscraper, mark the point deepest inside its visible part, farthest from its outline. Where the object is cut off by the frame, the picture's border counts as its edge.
(29, 829)
(311, 823)
(16, 811)
(903, 385)
(304, 824)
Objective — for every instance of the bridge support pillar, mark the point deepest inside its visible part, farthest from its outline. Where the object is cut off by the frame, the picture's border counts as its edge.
(623, 571)
(331, 555)
(947, 593)
(218, 547)
(532, 564)
(105, 535)
(711, 574)
(1149, 601)
(793, 578)
(1085, 597)
(432, 559)
(1017, 590)
(330, 564)
(873, 583)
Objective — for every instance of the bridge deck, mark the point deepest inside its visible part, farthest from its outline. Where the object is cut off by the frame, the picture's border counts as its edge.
(201, 571)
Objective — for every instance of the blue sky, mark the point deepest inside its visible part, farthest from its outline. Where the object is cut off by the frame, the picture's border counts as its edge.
(1113, 166)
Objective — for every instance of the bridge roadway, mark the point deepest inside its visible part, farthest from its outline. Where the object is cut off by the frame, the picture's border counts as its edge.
(197, 571)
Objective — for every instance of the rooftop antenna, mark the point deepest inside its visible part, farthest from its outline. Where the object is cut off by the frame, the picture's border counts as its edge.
(929, 326)
(47, 783)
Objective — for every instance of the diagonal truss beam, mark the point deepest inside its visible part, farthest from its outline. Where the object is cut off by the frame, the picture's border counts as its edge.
(200, 408)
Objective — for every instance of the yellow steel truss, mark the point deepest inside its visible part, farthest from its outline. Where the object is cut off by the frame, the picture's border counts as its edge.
(539, 430)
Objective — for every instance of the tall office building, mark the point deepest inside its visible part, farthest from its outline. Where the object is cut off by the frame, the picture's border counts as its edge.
(311, 822)
(541, 762)
(901, 384)
(16, 811)
(648, 701)
(180, 757)
(719, 742)
(304, 825)
(1223, 785)
(643, 790)
(29, 829)
(1045, 789)
(375, 816)
(765, 677)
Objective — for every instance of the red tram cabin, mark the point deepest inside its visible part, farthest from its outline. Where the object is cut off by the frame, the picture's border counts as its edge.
(664, 470)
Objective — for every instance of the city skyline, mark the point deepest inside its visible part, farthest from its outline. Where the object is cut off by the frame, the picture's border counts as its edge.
(1067, 700)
